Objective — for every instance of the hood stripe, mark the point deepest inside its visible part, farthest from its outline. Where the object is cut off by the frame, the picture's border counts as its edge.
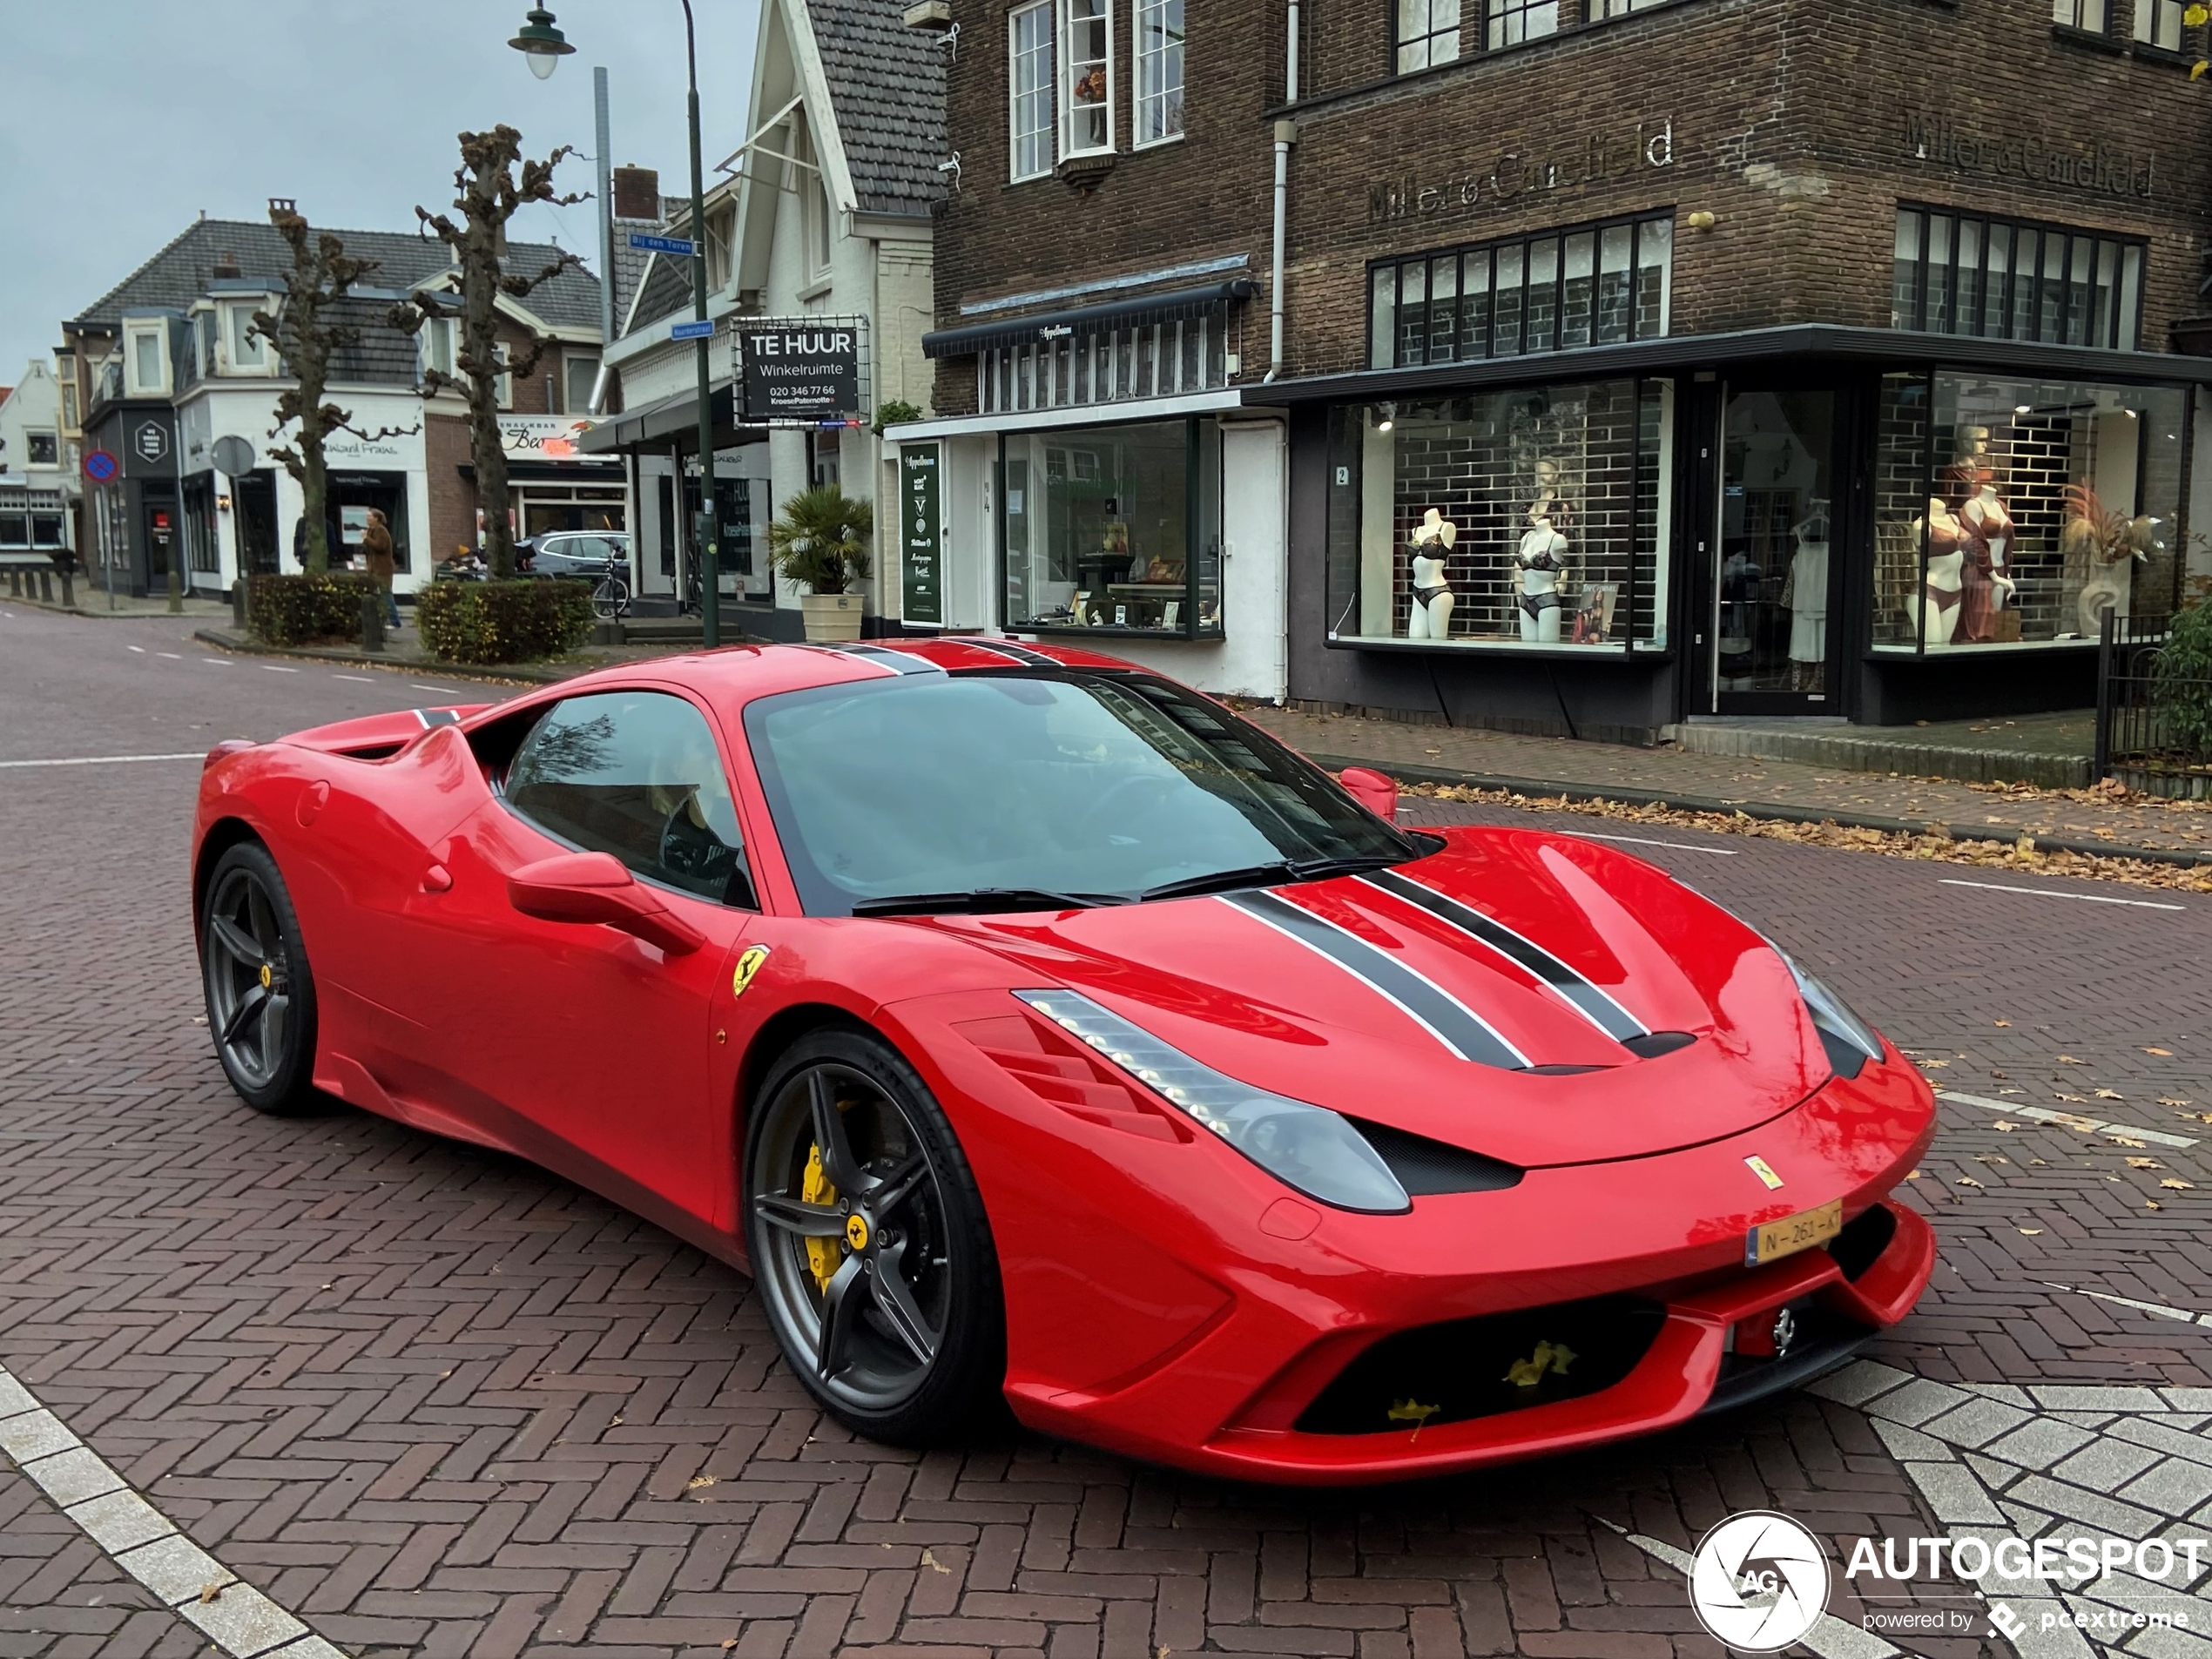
(437, 717)
(1458, 1026)
(898, 662)
(1585, 997)
(1019, 653)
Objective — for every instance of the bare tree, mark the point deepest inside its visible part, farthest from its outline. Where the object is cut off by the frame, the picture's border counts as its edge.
(489, 192)
(308, 331)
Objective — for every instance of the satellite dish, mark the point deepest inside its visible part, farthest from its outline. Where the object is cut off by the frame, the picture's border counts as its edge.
(233, 456)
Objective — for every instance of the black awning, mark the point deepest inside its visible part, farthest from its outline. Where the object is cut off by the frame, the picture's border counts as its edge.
(656, 423)
(1084, 320)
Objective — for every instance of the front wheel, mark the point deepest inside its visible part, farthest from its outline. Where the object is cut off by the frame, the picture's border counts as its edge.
(869, 1244)
(610, 599)
(260, 994)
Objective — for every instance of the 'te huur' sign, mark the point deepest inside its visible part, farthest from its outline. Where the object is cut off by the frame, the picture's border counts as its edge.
(793, 372)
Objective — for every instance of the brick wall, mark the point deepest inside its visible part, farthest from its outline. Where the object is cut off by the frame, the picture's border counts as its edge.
(453, 498)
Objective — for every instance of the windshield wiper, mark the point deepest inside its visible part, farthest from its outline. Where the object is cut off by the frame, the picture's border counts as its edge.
(983, 902)
(1260, 875)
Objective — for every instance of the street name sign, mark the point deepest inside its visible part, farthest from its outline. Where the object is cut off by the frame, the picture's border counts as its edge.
(676, 244)
(702, 328)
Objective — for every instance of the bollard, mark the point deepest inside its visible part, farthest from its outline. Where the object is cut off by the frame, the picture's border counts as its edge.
(68, 589)
(15, 583)
(238, 605)
(46, 586)
(372, 623)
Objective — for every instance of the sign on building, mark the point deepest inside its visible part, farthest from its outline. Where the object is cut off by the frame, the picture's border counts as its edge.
(921, 533)
(801, 372)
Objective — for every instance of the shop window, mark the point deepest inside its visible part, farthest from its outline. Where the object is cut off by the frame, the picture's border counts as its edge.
(1996, 279)
(2080, 14)
(1029, 45)
(2158, 22)
(42, 449)
(1595, 285)
(1086, 52)
(1527, 518)
(1428, 33)
(1511, 21)
(1152, 360)
(49, 531)
(1158, 113)
(1114, 529)
(2013, 512)
(15, 531)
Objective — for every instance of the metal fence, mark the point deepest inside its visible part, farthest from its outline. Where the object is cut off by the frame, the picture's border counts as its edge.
(2146, 737)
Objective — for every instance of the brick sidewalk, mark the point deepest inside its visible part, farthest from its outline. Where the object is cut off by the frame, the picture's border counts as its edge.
(1532, 765)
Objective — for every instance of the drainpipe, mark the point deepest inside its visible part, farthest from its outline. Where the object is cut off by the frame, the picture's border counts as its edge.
(1285, 136)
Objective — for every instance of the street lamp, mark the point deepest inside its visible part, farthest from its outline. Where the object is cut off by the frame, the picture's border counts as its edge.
(546, 46)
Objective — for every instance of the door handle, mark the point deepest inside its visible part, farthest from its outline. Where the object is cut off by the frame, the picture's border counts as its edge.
(437, 879)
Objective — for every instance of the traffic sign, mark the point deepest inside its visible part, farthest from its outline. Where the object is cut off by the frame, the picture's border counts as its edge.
(101, 467)
(233, 456)
(702, 330)
(675, 244)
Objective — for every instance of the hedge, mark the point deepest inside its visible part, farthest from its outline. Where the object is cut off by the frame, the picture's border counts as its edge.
(292, 609)
(503, 622)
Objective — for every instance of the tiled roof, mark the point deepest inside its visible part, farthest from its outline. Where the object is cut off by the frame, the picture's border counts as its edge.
(667, 291)
(182, 272)
(887, 84)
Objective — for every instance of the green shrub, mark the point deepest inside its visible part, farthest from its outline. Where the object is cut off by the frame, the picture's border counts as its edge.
(292, 609)
(503, 622)
(2182, 691)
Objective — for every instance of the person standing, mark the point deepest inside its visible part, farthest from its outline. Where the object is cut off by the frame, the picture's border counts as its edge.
(376, 548)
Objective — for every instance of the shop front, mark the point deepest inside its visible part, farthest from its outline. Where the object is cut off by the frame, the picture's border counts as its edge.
(553, 486)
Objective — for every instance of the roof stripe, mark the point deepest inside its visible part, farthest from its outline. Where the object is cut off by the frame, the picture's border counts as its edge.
(1584, 996)
(1019, 653)
(1458, 1026)
(899, 662)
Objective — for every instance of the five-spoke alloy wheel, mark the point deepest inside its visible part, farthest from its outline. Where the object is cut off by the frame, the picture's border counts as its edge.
(868, 1241)
(260, 996)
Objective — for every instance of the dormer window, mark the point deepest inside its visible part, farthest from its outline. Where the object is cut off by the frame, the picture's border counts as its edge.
(146, 359)
(248, 351)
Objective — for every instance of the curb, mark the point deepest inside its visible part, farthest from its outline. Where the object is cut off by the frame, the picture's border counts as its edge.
(1777, 811)
(94, 613)
(497, 674)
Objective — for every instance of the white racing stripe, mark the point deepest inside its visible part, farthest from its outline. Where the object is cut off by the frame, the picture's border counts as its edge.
(2048, 893)
(100, 760)
(143, 1541)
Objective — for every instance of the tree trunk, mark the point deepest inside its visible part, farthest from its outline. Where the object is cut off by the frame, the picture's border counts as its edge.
(480, 274)
(314, 489)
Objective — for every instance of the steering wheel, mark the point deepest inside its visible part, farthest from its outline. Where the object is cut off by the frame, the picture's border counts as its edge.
(1117, 794)
(695, 853)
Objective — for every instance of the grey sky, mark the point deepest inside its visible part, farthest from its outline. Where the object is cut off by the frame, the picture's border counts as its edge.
(121, 119)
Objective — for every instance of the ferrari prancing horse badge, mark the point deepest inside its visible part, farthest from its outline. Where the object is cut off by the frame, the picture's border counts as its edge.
(748, 965)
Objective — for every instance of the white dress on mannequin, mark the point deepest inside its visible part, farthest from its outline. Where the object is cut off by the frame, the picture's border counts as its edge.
(1430, 616)
(1809, 595)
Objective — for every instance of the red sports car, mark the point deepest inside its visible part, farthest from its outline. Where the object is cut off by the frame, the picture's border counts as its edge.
(1028, 1024)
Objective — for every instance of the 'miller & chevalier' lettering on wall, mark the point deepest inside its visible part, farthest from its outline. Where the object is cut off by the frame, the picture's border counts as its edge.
(2095, 168)
(1602, 158)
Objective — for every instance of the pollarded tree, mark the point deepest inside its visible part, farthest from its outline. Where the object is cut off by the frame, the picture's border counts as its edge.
(309, 330)
(489, 189)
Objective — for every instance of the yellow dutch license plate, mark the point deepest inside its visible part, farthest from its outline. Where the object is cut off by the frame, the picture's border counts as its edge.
(1775, 1239)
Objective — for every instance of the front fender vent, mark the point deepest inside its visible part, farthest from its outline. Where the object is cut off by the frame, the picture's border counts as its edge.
(1428, 1169)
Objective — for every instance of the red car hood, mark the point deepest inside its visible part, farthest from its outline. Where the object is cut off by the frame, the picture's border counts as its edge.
(1327, 1016)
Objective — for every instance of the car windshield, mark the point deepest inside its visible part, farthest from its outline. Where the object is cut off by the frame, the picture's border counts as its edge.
(1100, 787)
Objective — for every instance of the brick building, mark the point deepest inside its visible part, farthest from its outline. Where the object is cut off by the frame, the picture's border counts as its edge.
(1640, 360)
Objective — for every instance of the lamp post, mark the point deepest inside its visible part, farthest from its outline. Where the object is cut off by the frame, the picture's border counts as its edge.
(545, 45)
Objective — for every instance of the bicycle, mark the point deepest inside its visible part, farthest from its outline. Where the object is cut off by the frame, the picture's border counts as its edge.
(610, 594)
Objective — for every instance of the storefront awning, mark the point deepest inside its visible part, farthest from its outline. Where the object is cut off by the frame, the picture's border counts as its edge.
(1083, 320)
(672, 419)
(1869, 347)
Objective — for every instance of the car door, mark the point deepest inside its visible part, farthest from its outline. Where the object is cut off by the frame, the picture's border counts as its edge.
(596, 1047)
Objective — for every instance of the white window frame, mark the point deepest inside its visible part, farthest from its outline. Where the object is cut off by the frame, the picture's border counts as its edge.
(32, 434)
(1167, 96)
(439, 344)
(503, 382)
(2151, 14)
(244, 351)
(1047, 132)
(134, 335)
(1067, 21)
(573, 364)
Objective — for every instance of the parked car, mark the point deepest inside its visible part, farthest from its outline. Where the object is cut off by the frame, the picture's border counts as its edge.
(584, 553)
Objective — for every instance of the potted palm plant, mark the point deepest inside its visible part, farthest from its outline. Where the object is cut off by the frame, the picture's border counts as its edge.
(821, 543)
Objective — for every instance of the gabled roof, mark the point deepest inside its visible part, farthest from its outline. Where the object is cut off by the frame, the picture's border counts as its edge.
(183, 271)
(666, 290)
(886, 87)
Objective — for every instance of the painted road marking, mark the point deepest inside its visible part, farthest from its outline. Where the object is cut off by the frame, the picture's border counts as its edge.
(2045, 893)
(279, 668)
(2159, 1308)
(220, 662)
(1639, 840)
(2065, 1120)
(171, 655)
(358, 679)
(447, 691)
(141, 650)
(100, 760)
(142, 1540)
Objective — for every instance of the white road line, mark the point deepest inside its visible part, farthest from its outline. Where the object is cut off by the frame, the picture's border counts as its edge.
(171, 655)
(141, 650)
(2045, 893)
(2065, 1120)
(220, 662)
(143, 1541)
(2159, 1308)
(448, 690)
(358, 679)
(1641, 841)
(99, 761)
(279, 668)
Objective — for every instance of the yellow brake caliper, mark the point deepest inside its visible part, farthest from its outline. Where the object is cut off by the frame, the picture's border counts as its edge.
(824, 1255)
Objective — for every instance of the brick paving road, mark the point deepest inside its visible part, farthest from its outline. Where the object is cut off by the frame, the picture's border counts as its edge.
(433, 1401)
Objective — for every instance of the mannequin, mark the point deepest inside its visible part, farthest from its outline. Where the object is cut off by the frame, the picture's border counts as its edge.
(1805, 593)
(1986, 526)
(1433, 540)
(1937, 610)
(1539, 564)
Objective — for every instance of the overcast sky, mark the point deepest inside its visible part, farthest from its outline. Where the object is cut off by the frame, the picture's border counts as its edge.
(121, 120)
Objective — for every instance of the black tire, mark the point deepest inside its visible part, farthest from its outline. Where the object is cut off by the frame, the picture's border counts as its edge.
(260, 991)
(915, 1369)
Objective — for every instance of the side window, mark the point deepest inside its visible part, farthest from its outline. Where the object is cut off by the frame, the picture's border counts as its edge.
(636, 774)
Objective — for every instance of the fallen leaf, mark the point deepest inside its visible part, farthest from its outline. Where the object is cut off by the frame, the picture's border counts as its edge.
(2038, 1162)
(2110, 1094)
(2127, 1139)
(930, 1562)
(1912, 1175)
(2178, 1186)
(697, 1481)
(1990, 1157)
(731, 1643)
(1933, 1065)
(617, 1423)
(2006, 1128)
(2033, 1233)
(2068, 1060)
(2079, 1100)
(2001, 1022)
(2143, 1163)
(212, 1589)
(2163, 1053)
(1967, 1181)
(2153, 1204)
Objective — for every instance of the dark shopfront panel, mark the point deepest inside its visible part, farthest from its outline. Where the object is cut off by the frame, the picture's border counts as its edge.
(1796, 535)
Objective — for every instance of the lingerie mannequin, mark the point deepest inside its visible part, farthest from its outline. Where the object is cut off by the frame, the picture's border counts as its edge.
(1936, 612)
(1539, 564)
(1986, 527)
(1805, 592)
(1431, 615)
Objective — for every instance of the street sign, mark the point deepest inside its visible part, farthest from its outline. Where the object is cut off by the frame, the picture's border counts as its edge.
(921, 534)
(233, 456)
(702, 329)
(101, 467)
(151, 441)
(675, 244)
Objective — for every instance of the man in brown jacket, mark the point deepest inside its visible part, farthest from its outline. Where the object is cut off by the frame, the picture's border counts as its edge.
(376, 547)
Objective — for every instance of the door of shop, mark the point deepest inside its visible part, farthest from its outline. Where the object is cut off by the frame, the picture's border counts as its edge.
(1771, 573)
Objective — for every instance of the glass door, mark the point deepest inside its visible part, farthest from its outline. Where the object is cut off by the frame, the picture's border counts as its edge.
(1772, 581)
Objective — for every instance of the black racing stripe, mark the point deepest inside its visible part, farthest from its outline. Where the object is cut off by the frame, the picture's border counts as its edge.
(1591, 1003)
(437, 717)
(899, 662)
(1453, 1023)
(1021, 654)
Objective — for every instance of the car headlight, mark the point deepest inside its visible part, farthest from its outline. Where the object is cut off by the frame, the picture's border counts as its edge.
(1304, 1146)
(1850, 1041)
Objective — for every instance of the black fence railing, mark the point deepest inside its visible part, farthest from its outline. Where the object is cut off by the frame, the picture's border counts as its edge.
(2153, 725)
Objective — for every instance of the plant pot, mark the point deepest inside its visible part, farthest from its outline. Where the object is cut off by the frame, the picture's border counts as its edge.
(831, 617)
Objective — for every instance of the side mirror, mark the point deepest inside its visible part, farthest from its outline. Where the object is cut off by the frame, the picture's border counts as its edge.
(590, 888)
(1372, 790)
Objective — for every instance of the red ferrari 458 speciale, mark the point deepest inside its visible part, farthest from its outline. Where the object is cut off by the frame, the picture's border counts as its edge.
(1028, 1024)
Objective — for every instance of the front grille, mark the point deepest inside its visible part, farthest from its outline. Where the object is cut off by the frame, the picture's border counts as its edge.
(1482, 1368)
(1427, 1168)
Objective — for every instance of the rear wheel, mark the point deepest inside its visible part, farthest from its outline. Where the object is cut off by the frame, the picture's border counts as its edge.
(611, 598)
(869, 1244)
(260, 994)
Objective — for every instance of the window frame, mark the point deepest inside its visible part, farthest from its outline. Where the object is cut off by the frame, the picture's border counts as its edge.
(2149, 14)
(1048, 132)
(1400, 43)
(2129, 278)
(1173, 48)
(2076, 15)
(1066, 22)
(572, 361)
(135, 337)
(31, 437)
(437, 330)
(238, 337)
(1495, 34)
